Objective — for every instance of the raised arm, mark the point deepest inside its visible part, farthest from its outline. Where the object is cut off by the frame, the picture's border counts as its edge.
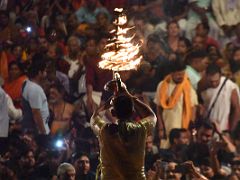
(96, 121)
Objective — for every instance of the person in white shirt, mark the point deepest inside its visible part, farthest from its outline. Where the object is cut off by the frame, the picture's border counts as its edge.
(226, 110)
(4, 119)
(35, 105)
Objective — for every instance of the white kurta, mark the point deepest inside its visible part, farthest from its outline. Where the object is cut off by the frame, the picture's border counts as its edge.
(221, 111)
(173, 117)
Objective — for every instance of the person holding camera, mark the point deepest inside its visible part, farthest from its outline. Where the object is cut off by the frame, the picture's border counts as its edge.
(122, 145)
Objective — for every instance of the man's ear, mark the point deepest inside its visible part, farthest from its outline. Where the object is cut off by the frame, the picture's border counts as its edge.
(113, 113)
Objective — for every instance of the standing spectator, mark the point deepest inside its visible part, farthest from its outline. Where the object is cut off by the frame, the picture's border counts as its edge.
(96, 77)
(153, 69)
(35, 105)
(4, 119)
(88, 12)
(225, 114)
(175, 110)
(82, 166)
(74, 60)
(3, 62)
(197, 63)
(13, 85)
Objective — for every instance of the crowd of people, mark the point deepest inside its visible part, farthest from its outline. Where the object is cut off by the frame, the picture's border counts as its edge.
(50, 85)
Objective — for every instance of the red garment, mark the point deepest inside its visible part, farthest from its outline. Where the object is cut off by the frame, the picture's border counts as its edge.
(212, 42)
(95, 76)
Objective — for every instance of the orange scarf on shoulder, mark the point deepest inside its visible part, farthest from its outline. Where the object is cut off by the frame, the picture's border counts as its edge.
(169, 102)
(3, 65)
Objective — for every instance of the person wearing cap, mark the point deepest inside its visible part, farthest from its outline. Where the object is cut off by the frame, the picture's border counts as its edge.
(66, 171)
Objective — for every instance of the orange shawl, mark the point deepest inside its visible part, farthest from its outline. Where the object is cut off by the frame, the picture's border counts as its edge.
(3, 65)
(14, 88)
(170, 102)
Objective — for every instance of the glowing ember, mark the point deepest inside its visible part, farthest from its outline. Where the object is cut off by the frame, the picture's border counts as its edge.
(122, 54)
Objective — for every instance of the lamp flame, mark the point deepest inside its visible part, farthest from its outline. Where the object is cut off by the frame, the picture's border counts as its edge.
(122, 54)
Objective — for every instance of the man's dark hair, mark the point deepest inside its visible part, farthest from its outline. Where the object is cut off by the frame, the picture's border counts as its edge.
(123, 106)
(177, 65)
(18, 64)
(59, 87)
(38, 65)
(205, 26)
(175, 133)
(195, 53)
(206, 125)
(172, 22)
(155, 38)
(213, 69)
(186, 41)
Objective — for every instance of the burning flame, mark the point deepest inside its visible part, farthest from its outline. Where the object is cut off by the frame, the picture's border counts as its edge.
(125, 55)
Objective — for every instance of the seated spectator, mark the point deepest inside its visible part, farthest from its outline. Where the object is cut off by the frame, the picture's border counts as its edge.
(235, 60)
(27, 165)
(200, 11)
(8, 30)
(82, 167)
(16, 53)
(199, 149)
(66, 171)
(236, 41)
(13, 85)
(202, 30)
(103, 24)
(198, 43)
(184, 45)
(4, 120)
(178, 139)
(151, 152)
(177, 10)
(88, 12)
(61, 110)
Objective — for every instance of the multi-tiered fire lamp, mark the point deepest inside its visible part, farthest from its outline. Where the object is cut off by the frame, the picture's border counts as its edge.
(121, 53)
